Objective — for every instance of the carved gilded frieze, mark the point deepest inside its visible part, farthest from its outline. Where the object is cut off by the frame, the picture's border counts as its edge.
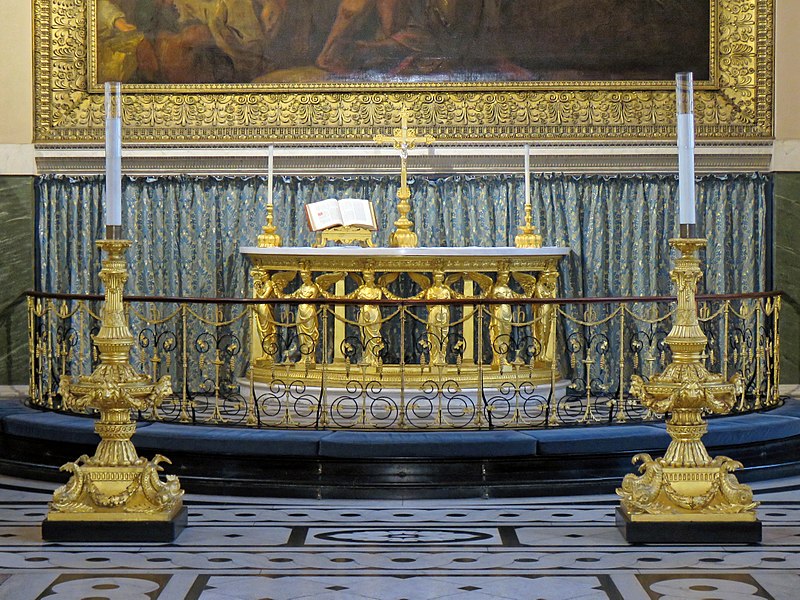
(734, 102)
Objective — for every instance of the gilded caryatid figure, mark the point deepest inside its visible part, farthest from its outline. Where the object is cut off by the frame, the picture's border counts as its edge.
(543, 330)
(370, 319)
(306, 321)
(266, 287)
(500, 324)
(437, 326)
(404, 307)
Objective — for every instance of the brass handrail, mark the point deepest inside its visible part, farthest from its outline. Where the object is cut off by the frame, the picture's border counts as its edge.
(583, 381)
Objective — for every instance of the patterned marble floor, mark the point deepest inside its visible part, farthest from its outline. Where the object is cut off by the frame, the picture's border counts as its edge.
(252, 549)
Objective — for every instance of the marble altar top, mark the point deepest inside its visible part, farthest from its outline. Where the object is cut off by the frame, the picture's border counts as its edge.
(356, 251)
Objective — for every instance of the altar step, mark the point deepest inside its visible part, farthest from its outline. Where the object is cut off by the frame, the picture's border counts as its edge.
(398, 464)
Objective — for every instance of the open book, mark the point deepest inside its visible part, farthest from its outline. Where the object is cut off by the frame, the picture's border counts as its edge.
(347, 211)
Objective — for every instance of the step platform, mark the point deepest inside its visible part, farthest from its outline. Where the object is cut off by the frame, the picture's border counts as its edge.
(313, 463)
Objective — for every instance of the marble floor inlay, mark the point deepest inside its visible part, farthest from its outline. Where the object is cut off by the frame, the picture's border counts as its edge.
(256, 549)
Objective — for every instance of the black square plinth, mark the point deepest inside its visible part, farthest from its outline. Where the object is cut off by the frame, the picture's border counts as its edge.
(717, 533)
(115, 531)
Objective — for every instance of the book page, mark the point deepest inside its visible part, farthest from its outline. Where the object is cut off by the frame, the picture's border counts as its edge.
(358, 212)
(323, 214)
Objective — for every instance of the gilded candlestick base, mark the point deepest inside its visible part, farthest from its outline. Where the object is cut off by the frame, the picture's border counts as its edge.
(686, 484)
(708, 492)
(114, 485)
(270, 237)
(403, 236)
(119, 493)
(527, 237)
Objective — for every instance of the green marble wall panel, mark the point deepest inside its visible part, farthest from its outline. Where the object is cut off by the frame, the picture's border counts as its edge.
(787, 270)
(16, 275)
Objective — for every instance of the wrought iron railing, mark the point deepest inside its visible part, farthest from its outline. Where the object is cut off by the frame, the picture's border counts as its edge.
(386, 378)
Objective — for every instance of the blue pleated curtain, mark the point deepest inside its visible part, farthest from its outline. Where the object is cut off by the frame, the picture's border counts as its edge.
(187, 231)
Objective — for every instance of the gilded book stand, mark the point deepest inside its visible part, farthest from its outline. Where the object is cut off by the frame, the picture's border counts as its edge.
(345, 235)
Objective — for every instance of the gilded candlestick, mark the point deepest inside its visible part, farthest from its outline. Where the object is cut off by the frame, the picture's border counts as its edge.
(115, 485)
(270, 237)
(687, 485)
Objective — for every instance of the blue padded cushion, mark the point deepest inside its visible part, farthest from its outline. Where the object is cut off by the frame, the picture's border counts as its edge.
(52, 427)
(790, 408)
(228, 440)
(594, 440)
(12, 407)
(748, 429)
(427, 444)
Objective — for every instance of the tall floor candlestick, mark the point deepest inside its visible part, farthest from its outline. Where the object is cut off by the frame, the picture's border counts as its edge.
(113, 107)
(686, 496)
(685, 106)
(115, 495)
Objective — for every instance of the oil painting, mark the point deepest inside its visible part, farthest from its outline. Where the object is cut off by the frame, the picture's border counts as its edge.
(209, 71)
(399, 42)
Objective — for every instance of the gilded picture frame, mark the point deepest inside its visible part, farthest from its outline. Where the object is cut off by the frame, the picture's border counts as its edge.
(733, 101)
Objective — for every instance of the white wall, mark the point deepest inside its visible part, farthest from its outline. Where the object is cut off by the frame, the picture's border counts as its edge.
(786, 155)
(16, 88)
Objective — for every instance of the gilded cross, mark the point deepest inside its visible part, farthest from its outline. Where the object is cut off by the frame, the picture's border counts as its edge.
(404, 139)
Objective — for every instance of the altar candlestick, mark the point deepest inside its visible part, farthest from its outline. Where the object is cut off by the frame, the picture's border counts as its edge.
(685, 105)
(270, 172)
(113, 107)
(527, 174)
(527, 237)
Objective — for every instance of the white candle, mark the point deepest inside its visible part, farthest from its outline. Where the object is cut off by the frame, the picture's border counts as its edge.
(685, 105)
(113, 107)
(270, 168)
(527, 174)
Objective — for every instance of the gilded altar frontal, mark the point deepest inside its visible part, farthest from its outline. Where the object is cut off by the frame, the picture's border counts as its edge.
(338, 70)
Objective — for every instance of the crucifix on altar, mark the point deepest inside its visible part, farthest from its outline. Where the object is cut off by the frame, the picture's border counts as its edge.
(404, 139)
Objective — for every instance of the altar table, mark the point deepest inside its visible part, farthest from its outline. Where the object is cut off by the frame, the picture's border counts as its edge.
(405, 319)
